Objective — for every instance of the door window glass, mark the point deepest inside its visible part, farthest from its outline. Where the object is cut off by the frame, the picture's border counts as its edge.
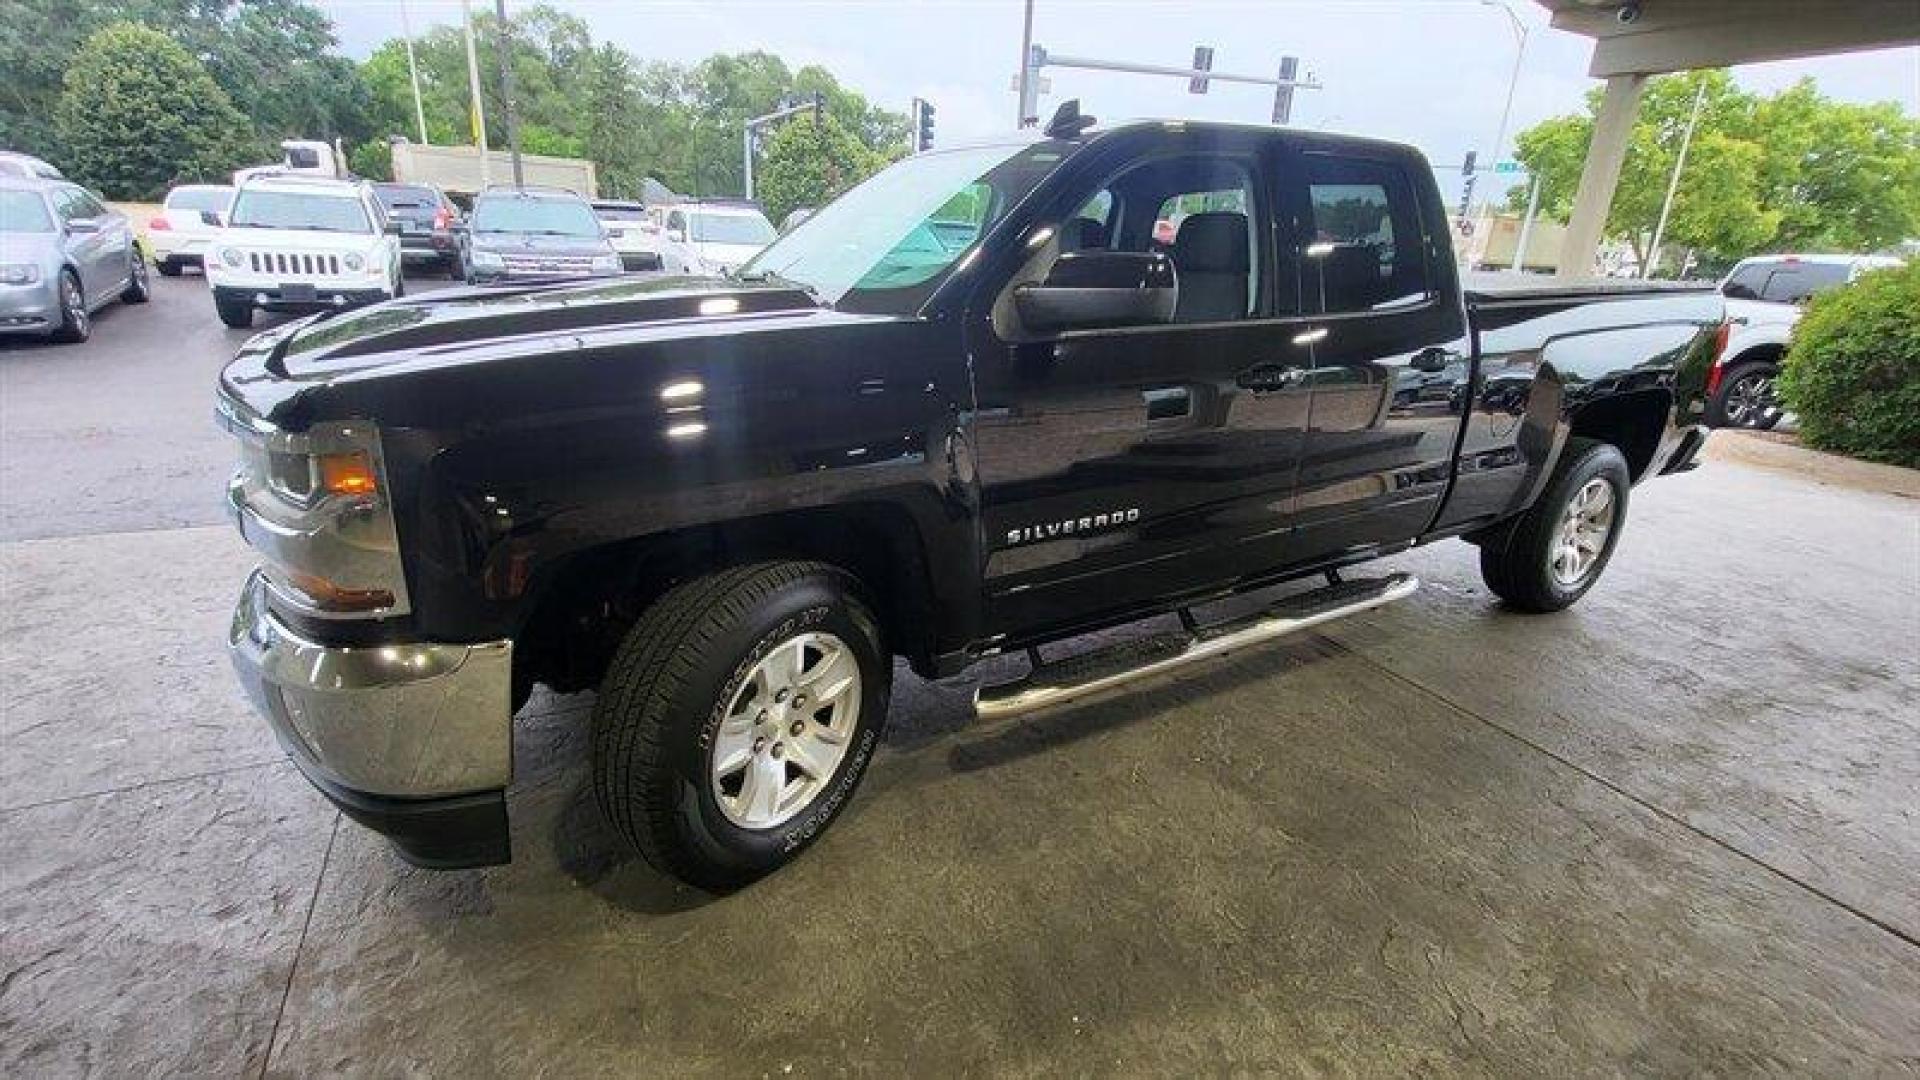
(1746, 282)
(1197, 209)
(1365, 249)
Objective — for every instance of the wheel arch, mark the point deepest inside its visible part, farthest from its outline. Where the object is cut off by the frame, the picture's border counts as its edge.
(586, 603)
(1634, 422)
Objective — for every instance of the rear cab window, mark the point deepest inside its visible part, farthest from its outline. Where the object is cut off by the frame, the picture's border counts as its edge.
(1365, 249)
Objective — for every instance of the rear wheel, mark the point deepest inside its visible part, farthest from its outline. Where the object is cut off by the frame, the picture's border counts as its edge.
(737, 718)
(1746, 398)
(454, 270)
(1549, 557)
(76, 324)
(235, 312)
(169, 267)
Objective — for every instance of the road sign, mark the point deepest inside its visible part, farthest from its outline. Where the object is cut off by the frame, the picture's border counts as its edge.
(1508, 167)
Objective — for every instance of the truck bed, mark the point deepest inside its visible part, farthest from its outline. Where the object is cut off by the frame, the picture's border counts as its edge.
(1489, 287)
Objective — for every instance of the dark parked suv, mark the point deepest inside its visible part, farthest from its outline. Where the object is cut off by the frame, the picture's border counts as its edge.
(427, 222)
(536, 234)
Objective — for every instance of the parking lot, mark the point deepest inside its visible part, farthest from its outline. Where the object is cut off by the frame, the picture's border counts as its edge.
(1672, 830)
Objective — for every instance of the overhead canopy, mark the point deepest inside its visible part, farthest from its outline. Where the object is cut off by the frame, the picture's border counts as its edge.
(1683, 35)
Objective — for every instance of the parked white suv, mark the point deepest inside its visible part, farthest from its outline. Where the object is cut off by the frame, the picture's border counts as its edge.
(1764, 295)
(723, 234)
(296, 243)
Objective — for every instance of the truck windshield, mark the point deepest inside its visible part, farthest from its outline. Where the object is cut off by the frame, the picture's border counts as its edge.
(884, 246)
(542, 217)
(299, 210)
(23, 212)
(730, 229)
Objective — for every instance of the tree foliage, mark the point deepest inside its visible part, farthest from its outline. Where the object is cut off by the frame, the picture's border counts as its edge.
(274, 59)
(1795, 171)
(1853, 368)
(808, 163)
(138, 114)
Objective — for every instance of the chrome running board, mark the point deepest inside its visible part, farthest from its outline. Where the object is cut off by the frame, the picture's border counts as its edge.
(1073, 678)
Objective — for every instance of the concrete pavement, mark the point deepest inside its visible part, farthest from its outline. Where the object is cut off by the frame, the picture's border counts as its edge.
(1670, 831)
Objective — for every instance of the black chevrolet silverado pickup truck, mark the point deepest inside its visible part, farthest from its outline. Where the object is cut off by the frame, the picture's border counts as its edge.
(994, 397)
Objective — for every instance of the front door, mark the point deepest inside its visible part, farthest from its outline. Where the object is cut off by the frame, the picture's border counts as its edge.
(1391, 362)
(1123, 466)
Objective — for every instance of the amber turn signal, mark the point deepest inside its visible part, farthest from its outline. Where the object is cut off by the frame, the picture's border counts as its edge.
(327, 596)
(347, 474)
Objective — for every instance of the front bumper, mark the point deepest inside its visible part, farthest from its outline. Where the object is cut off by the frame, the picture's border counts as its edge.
(29, 309)
(278, 297)
(413, 740)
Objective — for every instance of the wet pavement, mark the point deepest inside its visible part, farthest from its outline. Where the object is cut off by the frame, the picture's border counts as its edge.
(1673, 830)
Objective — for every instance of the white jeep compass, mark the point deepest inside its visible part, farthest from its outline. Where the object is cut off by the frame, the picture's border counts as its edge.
(296, 243)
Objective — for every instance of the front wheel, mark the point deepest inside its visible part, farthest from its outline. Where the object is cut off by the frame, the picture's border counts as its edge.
(138, 290)
(737, 717)
(236, 313)
(1549, 557)
(76, 323)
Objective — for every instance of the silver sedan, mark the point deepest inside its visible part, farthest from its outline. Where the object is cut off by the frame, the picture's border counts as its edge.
(63, 255)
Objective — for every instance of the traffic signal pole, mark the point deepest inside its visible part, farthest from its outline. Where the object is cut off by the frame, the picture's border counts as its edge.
(1197, 77)
(815, 105)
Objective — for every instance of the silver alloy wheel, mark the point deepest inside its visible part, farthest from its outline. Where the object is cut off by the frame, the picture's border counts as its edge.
(786, 730)
(1582, 533)
(1750, 399)
(73, 303)
(137, 275)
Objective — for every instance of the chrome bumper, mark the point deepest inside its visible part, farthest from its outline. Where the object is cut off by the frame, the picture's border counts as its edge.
(411, 720)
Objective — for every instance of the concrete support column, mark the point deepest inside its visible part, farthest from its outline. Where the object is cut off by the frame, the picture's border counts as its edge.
(1605, 156)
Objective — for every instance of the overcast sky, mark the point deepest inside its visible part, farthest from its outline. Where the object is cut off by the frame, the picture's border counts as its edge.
(1430, 72)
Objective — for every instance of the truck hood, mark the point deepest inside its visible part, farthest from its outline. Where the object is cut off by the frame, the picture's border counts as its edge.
(453, 325)
(296, 240)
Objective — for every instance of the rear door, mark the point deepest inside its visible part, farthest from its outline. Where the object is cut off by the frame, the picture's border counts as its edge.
(1121, 467)
(1391, 364)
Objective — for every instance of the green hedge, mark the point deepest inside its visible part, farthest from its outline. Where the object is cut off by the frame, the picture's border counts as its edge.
(1853, 368)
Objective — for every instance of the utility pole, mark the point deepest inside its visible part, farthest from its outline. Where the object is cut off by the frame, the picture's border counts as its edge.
(413, 70)
(1673, 184)
(1029, 76)
(477, 113)
(506, 91)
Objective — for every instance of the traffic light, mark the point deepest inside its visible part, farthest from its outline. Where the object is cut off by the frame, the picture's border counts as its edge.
(922, 125)
(1466, 167)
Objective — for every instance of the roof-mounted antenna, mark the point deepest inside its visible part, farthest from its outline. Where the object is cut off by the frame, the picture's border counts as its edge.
(1067, 123)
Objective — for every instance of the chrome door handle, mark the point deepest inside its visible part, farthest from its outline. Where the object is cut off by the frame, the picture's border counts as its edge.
(1270, 378)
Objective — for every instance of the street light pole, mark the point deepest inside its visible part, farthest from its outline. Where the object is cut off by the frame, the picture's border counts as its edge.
(413, 71)
(1673, 184)
(1520, 33)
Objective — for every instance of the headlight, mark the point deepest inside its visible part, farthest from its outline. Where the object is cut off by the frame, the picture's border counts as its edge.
(606, 264)
(19, 274)
(232, 257)
(354, 261)
(486, 258)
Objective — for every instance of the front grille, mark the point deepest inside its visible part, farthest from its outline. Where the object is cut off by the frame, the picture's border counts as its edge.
(294, 262)
(550, 264)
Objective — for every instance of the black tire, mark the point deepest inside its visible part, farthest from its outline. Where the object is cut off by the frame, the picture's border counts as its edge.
(76, 323)
(1727, 408)
(236, 313)
(138, 290)
(1517, 561)
(455, 270)
(168, 268)
(669, 688)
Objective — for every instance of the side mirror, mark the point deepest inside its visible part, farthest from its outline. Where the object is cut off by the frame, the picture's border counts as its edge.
(210, 217)
(393, 228)
(83, 226)
(1088, 289)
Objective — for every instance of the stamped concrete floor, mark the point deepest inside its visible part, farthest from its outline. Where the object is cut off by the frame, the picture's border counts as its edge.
(1673, 831)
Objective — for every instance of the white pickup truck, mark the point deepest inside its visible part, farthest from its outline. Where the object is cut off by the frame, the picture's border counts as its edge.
(1764, 295)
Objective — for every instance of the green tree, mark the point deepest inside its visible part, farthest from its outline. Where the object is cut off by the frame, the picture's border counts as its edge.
(1794, 171)
(139, 114)
(807, 163)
